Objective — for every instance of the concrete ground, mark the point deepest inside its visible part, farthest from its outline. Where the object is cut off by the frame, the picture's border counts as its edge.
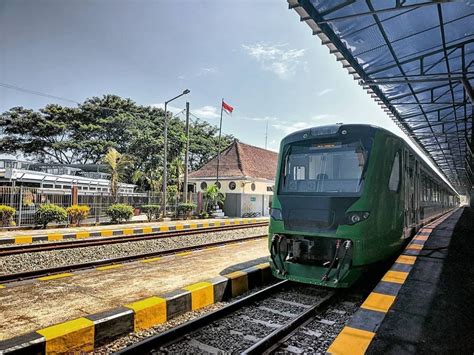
(136, 224)
(30, 306)
(434, 311)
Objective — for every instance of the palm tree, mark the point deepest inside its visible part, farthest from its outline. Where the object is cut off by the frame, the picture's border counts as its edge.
(149, 180)
(117, 164)
(177, 170)
(213, 196)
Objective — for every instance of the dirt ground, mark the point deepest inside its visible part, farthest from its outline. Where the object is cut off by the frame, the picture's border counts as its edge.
(28, 307)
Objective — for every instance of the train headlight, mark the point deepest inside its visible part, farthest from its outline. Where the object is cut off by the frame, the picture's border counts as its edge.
(276, 214)
(356, 217)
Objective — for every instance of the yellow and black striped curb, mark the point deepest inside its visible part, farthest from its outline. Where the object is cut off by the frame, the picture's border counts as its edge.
(357, 335)
(62, 275)
(86, 333)
(25, 239)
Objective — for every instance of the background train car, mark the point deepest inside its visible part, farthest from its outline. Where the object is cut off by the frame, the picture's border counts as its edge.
(347, 196)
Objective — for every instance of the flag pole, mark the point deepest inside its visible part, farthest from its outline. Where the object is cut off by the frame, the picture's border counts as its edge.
(219, 142)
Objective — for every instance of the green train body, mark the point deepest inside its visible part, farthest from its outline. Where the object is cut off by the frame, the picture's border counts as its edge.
(346, 197)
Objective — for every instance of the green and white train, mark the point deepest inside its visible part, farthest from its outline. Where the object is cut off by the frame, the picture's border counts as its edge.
(347, 197)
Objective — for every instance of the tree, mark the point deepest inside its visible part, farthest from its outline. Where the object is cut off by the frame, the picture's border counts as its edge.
(117, 164)
(84, 134)
(213, 196)
(176, 170)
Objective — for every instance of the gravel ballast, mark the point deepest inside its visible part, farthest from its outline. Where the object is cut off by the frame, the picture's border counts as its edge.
(56, 258)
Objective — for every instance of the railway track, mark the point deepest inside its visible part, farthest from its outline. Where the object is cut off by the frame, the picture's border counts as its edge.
(38, 247)
(263, 322)
(6, 278)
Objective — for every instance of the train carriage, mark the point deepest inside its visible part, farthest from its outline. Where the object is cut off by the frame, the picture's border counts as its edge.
(346, 197)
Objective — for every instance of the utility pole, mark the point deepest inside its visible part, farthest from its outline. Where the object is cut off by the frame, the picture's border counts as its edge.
(186, 156)
(165, 153)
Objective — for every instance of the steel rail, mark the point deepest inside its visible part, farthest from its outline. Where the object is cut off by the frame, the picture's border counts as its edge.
(176, 333)
(104, 262)
(275, 339)
(269, 343)
(38, 247)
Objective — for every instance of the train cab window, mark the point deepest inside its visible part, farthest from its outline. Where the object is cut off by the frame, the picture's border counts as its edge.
(329, 168)
(394, 180)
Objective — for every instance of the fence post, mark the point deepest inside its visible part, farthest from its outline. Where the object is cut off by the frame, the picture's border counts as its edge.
(20, 206)
(95, 209)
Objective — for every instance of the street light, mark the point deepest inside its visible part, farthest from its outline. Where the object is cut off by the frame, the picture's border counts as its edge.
(165, 155)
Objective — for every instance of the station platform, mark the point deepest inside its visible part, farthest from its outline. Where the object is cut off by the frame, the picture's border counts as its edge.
(57, 234)
(423, 304)
(138, 292)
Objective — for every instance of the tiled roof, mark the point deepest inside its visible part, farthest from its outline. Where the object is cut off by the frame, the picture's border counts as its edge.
(241, 160)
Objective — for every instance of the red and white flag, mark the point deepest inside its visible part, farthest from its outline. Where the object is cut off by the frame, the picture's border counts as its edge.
(227, 108)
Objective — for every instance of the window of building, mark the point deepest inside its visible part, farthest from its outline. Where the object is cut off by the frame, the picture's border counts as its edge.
(253, 187)
(270, 188)
(203, 185)
(232, 185)
(394, 180)
(218, 184)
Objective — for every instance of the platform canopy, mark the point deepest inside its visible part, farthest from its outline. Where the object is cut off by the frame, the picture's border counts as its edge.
(415, 58)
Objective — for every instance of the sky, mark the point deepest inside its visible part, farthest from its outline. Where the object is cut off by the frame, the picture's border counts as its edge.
(257, 55)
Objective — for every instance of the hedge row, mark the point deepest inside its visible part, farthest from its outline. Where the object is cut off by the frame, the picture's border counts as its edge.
(48, 213)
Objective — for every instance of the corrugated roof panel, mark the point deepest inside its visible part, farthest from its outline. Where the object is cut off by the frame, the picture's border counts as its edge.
(417, 58)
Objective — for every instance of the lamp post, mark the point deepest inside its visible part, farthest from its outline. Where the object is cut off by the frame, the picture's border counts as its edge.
(165, 155)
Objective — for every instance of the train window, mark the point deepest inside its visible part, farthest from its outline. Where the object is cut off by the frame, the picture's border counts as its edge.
(330, 168)
(394, 180)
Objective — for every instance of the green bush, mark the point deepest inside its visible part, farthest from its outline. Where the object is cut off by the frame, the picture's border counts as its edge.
(48, 213)
(77, 213)
(203, 215)
(6, 216)
(171, 194)
(119, 212)
(151, 211)
(186, 208)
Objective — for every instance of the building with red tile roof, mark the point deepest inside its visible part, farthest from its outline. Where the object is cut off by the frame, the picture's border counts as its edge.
(246, 175)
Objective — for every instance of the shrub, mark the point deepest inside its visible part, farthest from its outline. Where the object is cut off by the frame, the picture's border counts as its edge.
(6, 216)
(48, 213)
(77, 213)
(203, 215)
(119, 212)
(151, 211)
(172, 193)
(186, 208)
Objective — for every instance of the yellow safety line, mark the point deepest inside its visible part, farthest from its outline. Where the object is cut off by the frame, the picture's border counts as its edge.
(53, 277)
(108, 267)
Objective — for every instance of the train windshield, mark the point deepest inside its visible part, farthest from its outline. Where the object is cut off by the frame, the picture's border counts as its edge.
(329, 168)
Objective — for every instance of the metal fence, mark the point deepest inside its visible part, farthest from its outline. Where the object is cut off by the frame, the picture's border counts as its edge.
(26, 201)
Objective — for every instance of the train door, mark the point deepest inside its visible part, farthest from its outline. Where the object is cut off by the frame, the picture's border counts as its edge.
(409, 179)
(417, 195)
(406, 194)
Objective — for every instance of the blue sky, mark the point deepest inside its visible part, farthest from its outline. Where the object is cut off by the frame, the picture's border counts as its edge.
(255, 54)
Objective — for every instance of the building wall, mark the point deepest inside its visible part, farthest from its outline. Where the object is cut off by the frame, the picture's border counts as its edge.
(243, 186)
(242, 200)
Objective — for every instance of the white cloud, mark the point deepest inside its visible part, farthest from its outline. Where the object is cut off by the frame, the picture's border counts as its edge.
(205, 71)
(275, 58)
(317, 120)
(206, 112)
(288, 127)
(258, 119)
(175, 110)
(324, 92)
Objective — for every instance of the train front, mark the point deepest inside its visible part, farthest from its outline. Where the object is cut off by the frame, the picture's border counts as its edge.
(318, 210)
